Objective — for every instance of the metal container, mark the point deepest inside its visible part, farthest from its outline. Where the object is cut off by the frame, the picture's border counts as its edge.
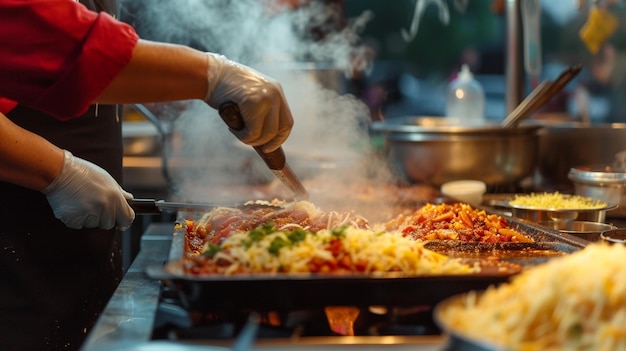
(567, 145)
(141, 139)
(502, 202)
(601, 182)
(589, 231)
(435, 150)
(547, 214)
(614, 236)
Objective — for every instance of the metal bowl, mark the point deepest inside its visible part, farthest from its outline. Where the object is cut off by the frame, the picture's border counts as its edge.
(567, 145)
(436, 150)
(552, 214)
(589, 231)
(602, 182)
(614, 236)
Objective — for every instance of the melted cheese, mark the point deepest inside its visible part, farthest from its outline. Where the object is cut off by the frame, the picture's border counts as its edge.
(379, 252)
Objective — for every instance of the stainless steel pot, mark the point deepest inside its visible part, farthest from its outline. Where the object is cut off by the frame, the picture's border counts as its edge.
(435, 150)
(568, 145)
(601, 182)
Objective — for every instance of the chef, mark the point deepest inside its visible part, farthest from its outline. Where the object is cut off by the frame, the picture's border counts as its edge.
(63, 66)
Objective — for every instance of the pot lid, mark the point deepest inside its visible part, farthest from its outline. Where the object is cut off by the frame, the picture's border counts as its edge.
(598, 174)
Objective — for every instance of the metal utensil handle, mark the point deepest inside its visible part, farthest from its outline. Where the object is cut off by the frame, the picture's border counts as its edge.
(229, 111)
(554, 87)
(144, 206)
(564, 78)
(527, 106)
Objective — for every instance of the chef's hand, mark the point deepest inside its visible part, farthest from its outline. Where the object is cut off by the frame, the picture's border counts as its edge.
(85, 195)
(261, 101)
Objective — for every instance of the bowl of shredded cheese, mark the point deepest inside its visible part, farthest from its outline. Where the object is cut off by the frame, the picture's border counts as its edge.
(575, 302)
(555, 206)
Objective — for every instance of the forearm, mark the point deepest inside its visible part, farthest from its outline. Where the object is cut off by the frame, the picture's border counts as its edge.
(27, 159)
(159, 72)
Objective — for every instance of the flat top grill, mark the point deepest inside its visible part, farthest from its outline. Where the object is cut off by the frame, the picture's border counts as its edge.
(147, 313)
(143, 314)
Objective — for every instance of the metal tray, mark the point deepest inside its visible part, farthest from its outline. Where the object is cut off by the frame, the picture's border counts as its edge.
(296, 292)
(289, 292)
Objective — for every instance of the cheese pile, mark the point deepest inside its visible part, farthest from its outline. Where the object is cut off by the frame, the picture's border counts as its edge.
(346, 249)
(557, 201)
(577, 302)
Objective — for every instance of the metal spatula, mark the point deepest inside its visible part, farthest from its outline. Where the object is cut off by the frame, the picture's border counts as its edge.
(153, 206)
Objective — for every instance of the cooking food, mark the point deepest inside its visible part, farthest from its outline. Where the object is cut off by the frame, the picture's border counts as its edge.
(457, 221)
(575, 302)
(298, 237)
(556, 201)
(292, 249)
(222, 222)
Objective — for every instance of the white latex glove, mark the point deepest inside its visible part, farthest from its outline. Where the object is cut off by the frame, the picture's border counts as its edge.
(261, 102)
(85, 195)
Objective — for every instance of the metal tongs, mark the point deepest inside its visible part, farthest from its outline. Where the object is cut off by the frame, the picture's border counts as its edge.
(275, 160)
(539, 96)
(153, 206)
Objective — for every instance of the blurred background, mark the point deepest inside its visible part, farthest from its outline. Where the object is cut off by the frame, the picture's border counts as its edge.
(345, 64)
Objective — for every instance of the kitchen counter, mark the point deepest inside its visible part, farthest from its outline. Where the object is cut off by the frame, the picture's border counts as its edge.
(129, 316)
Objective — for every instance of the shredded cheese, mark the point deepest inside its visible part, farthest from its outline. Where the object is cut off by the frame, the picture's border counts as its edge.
(330, 250)
(575, 302)
(556, 201)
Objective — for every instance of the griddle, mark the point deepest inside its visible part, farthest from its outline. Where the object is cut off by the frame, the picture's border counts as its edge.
(282, 292)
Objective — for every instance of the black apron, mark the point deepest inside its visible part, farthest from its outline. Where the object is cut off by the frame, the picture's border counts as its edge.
(54, 281)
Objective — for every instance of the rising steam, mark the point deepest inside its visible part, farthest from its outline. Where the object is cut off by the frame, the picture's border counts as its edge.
(330, 126)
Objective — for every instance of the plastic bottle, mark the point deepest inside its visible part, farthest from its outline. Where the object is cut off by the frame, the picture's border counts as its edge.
(465, 97)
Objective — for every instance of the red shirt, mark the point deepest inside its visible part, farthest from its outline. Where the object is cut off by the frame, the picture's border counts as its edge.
(57, 56)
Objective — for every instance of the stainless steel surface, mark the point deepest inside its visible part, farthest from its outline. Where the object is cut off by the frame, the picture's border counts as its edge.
(246, 337)
(401, 343)
(614, 236)
(500, 203)
(436, 151)
(589, 231)
(542, 215)
(129, 315)
(601, 182)
(289, 178)
(526, 107)
(514, 68)
(538, 215)
(128, 319)
(567, 145)
(152, 206)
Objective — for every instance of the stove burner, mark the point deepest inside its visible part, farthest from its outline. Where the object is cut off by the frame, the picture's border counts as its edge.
(174, 322)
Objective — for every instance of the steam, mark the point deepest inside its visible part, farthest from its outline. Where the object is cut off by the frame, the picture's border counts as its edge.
(330, 126)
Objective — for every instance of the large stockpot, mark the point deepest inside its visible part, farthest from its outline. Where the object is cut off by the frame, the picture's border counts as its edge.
(436, 150)
(568, 145)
